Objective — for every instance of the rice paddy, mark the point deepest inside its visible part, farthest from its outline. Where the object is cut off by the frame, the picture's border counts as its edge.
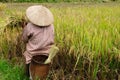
(88, 36)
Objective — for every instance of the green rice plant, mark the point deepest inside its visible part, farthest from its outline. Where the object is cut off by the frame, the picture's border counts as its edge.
(94, 34)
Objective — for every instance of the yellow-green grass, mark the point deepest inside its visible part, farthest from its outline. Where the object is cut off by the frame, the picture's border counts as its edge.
(88, 37)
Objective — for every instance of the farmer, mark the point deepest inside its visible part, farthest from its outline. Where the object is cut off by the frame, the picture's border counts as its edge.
(38, 34)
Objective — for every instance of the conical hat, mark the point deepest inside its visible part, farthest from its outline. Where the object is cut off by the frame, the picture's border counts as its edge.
(39, 15)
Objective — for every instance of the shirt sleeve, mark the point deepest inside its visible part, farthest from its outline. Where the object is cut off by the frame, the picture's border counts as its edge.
(26, 34)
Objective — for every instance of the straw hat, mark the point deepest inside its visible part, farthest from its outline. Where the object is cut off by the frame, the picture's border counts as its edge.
(39, 15)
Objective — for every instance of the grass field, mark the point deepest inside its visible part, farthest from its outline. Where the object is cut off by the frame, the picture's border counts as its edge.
(88, 36)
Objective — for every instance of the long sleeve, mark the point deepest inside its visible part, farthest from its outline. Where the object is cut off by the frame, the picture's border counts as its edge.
(26, 34)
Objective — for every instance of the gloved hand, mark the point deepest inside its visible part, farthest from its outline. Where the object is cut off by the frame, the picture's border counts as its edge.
(53, 51)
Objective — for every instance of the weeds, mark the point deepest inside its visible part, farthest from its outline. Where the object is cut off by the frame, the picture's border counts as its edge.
(10, 72)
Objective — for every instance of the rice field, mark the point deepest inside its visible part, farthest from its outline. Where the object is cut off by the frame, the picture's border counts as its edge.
(88, 36)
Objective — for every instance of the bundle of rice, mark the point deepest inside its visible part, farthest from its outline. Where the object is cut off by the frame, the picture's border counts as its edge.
(16, 20)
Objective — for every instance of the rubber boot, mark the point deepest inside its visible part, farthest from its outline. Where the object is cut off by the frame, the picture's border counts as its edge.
(27, 70)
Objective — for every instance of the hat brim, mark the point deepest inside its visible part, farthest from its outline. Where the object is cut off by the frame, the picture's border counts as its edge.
(39, 15)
